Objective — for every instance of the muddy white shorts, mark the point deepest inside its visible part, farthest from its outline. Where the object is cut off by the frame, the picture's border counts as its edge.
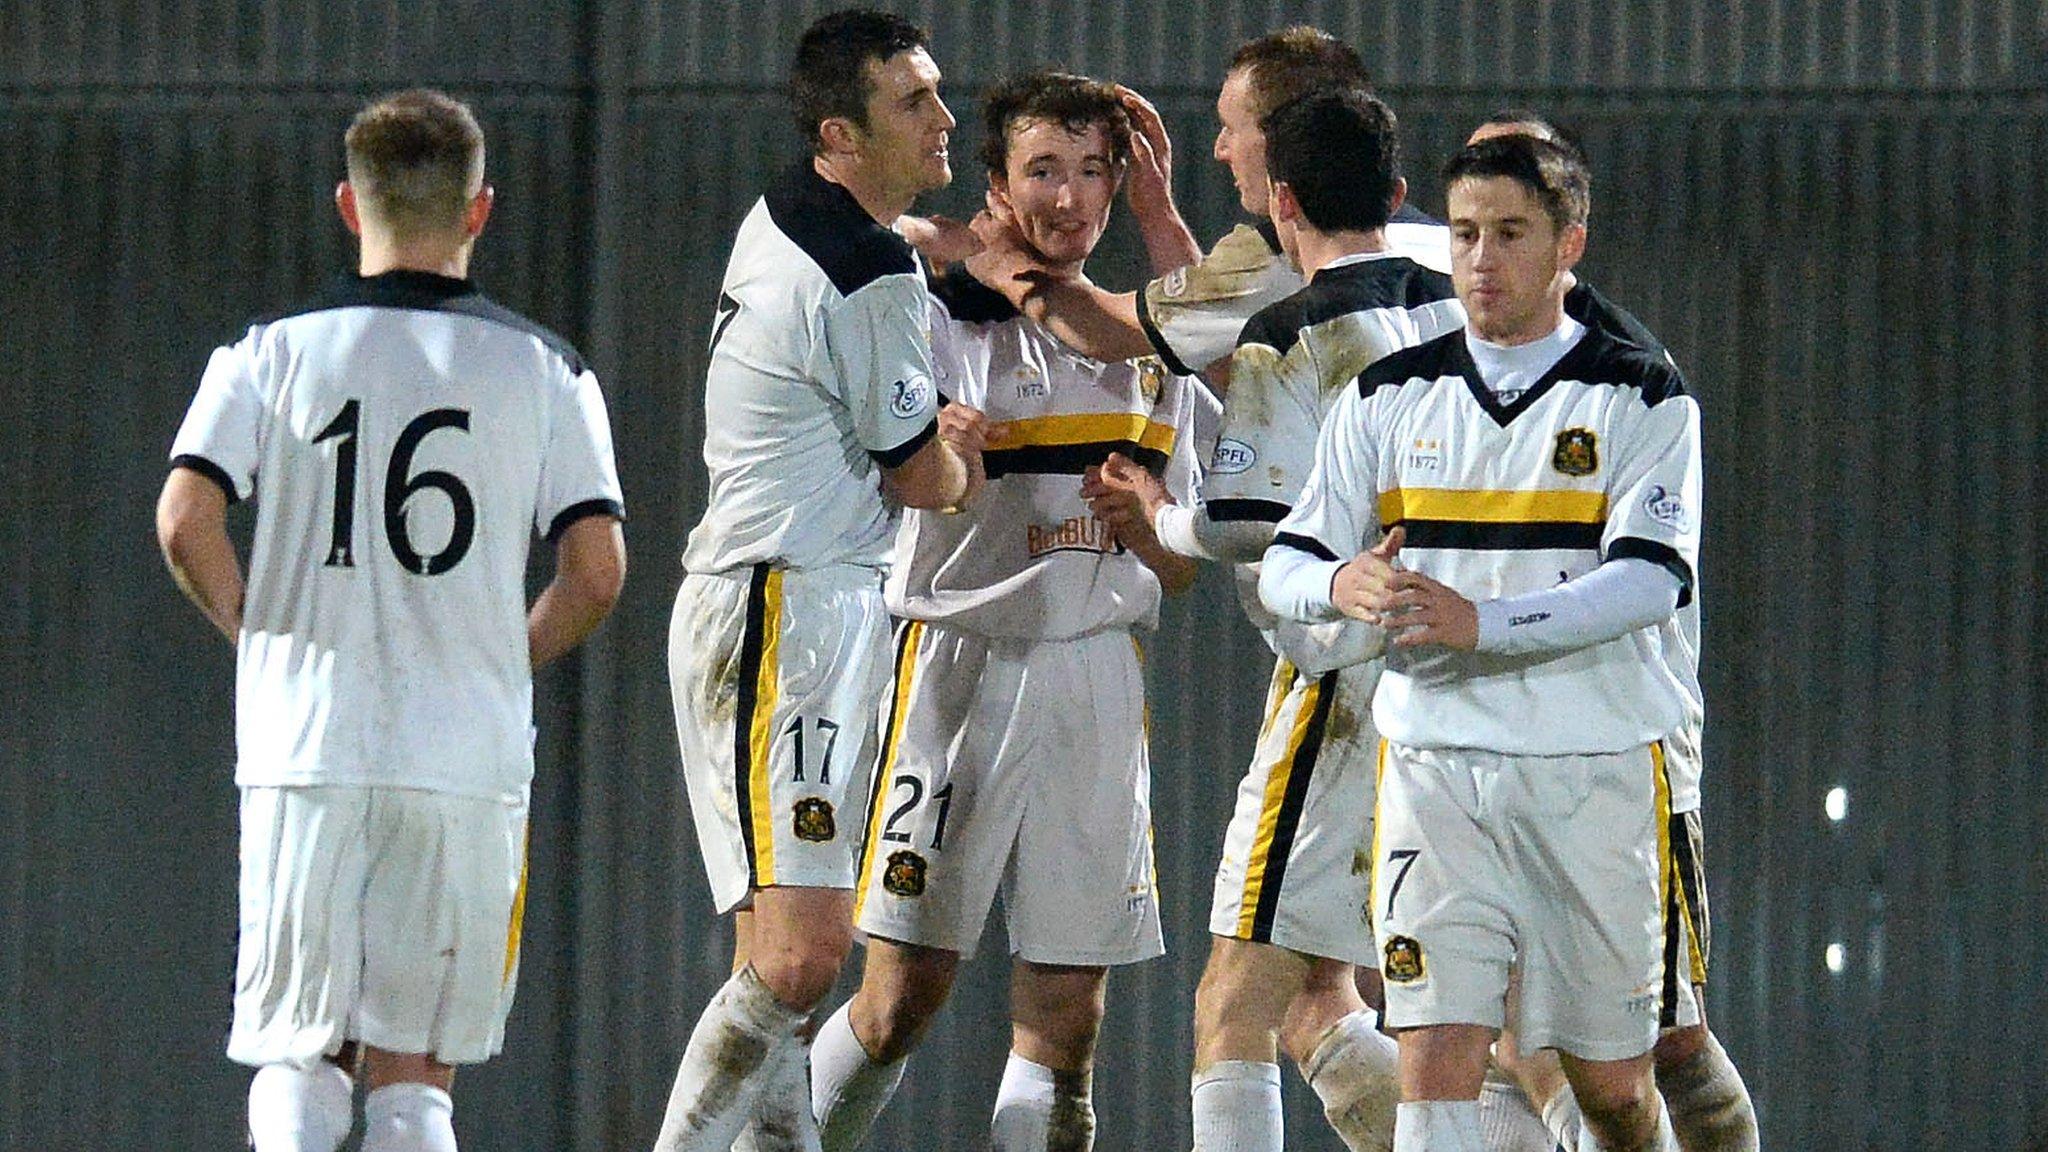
(1296, 866)
(1019, 766)
(1555, 867)
(777, 677)
(385, 915)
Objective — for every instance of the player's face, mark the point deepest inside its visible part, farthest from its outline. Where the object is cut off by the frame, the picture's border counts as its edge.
(1508, 259)
(1239, 143)
(904, 141)
(1060, 185)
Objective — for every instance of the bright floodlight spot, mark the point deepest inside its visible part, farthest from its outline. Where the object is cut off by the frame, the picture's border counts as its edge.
(1837, 804)
(1837, 957)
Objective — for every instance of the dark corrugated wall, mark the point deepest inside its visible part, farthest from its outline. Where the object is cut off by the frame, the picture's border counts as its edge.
(1831, 211)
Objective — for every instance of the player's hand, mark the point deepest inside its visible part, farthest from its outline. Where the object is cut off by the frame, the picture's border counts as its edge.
(1118, 508)
(1151, 178)
(1119, 473)
(966, 430)
(1364, 586)
(1006, 262)
(1426, 612)
(939, 239)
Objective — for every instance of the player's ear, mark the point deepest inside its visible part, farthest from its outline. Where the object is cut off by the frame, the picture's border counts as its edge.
(1399, 197)
(1571, 247)
(839, 134)
(1281, 203)
(479, 211)
(345, 207)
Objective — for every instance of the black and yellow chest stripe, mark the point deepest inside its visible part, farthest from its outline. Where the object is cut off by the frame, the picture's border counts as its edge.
(1067, 445)
(1496, 520)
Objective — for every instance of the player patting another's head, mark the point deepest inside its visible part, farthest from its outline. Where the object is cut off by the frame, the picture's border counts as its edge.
(415, 191)
(866, 95)
(1264, 74)
(1518, 209)
(1056, 151)
(1333, 165)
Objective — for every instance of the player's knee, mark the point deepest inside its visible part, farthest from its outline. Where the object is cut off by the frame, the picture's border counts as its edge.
(889, 1025)
(1620, 1107)
(803, 975)
(1217, 997)
(1676, 1046)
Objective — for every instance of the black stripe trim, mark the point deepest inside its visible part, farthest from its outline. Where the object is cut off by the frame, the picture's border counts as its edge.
(1662, 555)
(900, 455)
(427, 292)
(1291, 805)
(1236, 511)
(1686, 843)
(1152, 333)
(1667, 1011)
(886, 746)
(1068, 459)
(583, 510)
(1308, 544)
(211, 471)
(751, 643)
(1484, 536)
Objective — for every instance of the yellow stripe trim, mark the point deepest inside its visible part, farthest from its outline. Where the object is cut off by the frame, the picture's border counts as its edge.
(1482, 506)
(761, 737)
(1372, 876)
(1276, 795)
(1667, 861)
(906, 666)
(518, 921)
(1089, 428)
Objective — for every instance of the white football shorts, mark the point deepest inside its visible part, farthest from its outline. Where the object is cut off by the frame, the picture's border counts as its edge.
(1297, 857)
(1017, 765)
(388, 916)
(1555, 867)
(777, 677)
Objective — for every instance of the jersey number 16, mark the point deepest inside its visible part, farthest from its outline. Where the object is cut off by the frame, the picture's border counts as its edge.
(400, 485)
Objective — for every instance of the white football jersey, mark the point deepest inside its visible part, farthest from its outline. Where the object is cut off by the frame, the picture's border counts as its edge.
(1293, 360)
(1193, 315)
(1598, 459)
(820, 376)
(1026, 559)
(405, 437)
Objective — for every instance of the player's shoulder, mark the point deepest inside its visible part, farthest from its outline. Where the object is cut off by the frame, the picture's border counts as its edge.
(1603, 358)
(1428, 360)
(828, 225)
(969, 301)
(424, 292)
(1589, 306)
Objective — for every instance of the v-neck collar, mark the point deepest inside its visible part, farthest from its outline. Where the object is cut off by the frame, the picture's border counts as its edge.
(1566, 367)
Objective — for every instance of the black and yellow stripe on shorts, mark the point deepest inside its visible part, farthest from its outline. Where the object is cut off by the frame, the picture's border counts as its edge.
(515, 925)
(1287, 784)
(907, 635)
(753, 722)
(1688, 930)
(1667, 887)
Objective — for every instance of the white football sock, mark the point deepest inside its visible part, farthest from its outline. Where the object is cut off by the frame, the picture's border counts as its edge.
(408, 1118)
(849, 1088)
(1356, 1072)
(739, 1044)
(1438, 1126)
(300, 1109)
(1709, 1104)
(1507, 1118)
(1237, 1107)
(1040, 1110)
(782, 1116)
(1565, 1123)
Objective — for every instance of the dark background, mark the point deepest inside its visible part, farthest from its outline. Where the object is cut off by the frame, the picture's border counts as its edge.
(1830, 209)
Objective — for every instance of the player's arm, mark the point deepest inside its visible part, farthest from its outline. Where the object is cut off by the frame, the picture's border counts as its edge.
(1112, 492)
(590, 571)
(946, 470)
(191, 528)
(1095, 322)
(1168, 242)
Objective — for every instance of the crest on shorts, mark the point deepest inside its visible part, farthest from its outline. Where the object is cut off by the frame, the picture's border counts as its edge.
(813, 819)
(1151, 378)
(904, 874)
(1578, 452)
(1403, 963)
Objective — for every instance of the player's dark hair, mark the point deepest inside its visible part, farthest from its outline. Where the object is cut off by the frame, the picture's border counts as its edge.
(415, 159)
(1075, 103)
(829, 76)
(1538, 125)
(1284, 66)
(1556, 175)
(1340, 153)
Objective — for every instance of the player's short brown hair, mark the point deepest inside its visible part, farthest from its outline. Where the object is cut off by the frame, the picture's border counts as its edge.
(415, 159)
(1286, 65)
(829, 77)
(1075, 103)
(1554, 174)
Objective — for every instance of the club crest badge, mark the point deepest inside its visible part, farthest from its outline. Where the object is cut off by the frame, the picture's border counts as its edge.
(904, 874)
(813, 820)
(1151, 378)
(1403, 961)
(1578, 452)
